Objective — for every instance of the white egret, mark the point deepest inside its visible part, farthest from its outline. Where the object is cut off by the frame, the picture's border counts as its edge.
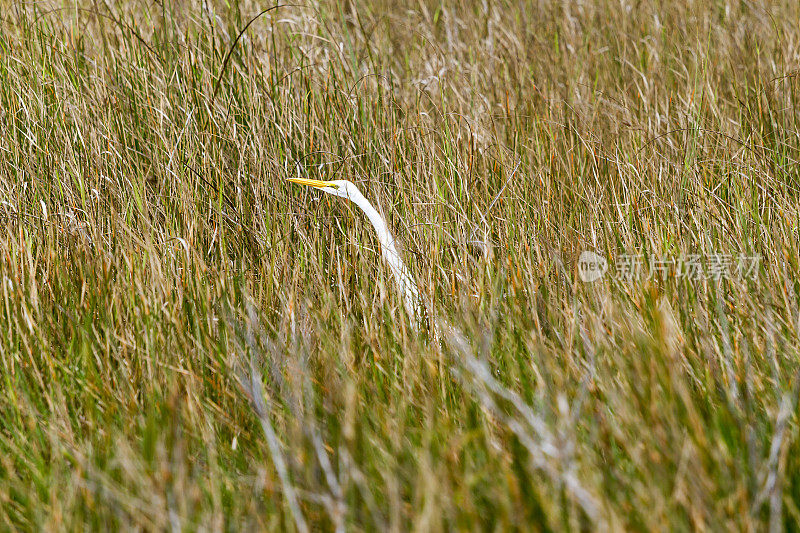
(348, 190)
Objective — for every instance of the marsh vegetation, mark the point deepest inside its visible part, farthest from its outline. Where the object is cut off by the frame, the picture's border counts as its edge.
(188, 341)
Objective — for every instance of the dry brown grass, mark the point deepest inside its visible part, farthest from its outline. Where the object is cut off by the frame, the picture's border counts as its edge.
(188, 341)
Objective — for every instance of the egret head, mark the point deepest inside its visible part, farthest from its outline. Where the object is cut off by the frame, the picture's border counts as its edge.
(346, 189)
(340, 188)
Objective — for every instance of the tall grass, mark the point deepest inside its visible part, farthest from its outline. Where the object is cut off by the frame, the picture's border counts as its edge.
(189, 342)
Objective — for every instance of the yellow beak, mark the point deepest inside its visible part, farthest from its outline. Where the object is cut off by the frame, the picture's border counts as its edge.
(313, 183)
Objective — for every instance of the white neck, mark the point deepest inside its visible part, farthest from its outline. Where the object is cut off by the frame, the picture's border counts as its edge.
(389, 252)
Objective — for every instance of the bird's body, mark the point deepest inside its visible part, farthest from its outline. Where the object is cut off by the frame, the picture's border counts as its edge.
(402, 276)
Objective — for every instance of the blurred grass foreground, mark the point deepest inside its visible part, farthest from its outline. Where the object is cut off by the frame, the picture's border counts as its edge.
(189, 342)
